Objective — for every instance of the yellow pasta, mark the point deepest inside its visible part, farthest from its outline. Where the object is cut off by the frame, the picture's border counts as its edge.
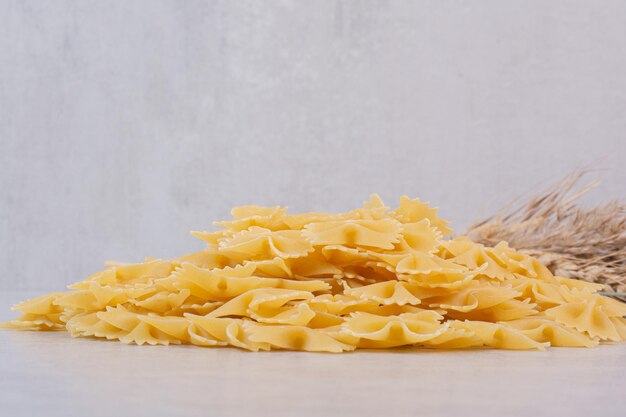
(370, 278)
(382, 234)
(376, 331)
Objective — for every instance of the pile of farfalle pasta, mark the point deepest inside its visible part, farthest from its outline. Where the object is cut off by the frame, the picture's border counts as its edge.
(370, 278)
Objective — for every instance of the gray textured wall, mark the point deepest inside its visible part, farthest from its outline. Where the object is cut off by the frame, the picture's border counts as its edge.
(124, 124)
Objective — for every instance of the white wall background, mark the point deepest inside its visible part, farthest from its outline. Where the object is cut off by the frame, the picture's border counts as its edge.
(124, 124)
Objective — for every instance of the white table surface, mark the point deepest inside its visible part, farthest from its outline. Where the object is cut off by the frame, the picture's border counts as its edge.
(54, 374)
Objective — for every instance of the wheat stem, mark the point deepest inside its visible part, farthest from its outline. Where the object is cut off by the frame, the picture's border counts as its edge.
(573, 242)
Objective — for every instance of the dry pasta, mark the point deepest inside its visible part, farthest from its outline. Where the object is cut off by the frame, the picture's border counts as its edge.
(369, 278)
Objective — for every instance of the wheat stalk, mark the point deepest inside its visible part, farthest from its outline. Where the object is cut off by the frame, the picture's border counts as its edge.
(573, 242)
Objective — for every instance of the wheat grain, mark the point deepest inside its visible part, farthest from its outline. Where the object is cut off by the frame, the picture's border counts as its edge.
(574, 242)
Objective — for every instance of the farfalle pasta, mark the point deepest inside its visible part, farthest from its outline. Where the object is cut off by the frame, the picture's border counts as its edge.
(370, 278)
